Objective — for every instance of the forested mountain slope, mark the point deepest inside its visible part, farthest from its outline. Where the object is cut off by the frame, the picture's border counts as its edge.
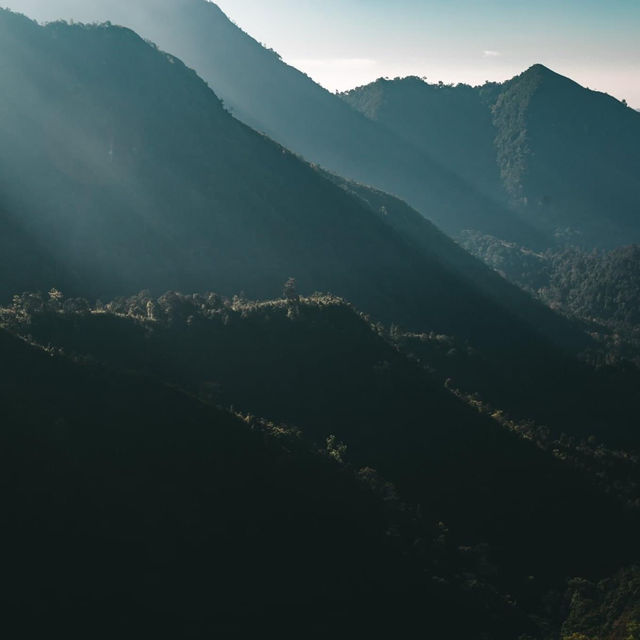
(123, 165)
(131, 508)
(452, 123)
(318, 365)
(601, 289)
(273, 97)
(566, 157)
(421, 234)
(537, 159)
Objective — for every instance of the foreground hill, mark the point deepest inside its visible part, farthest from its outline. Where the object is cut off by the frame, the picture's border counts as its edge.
(273, 97)
(318, 365)
(131, 508)
(566, 157)
(124, 167)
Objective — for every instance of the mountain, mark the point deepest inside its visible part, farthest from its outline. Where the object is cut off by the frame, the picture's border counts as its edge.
(319, 366)
(599, 288)
(130, 507)
(195, 463)
(421, 234)
(566, 157)
(25, 261)
(124, 167)
(273, 97)
(538, 160)
(451, 123)
(580, 151)
(609, 609)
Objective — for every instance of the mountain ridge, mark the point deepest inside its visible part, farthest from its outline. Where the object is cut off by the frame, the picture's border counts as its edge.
(132, 204)
(277, 99)
(566, 156)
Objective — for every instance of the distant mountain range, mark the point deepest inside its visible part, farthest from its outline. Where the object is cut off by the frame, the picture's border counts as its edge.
(277, 99)
(418, 445)
(537, 159)
(567, 158)
(123, 170)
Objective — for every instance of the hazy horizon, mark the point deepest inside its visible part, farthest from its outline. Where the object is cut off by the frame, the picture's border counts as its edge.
(342, 44)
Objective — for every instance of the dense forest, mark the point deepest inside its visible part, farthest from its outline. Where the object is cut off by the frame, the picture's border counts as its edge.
(246, 394)
(565, 158)
(128, 203)
(344, 387)
(599, 288)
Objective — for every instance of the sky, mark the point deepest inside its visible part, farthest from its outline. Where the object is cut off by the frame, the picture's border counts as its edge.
(345, 43)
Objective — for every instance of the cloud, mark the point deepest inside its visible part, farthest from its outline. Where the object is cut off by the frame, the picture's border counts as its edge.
(488, 53)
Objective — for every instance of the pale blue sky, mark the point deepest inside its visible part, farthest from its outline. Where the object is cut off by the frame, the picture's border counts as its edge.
(343, 43)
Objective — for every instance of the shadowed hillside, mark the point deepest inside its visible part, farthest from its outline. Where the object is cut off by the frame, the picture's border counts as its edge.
(318, 365)
(131, 508)
(452, 123)
(566, 157)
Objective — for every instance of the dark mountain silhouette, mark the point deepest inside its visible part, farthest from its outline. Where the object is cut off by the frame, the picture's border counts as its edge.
(124, 166)
(317, 364)
(567, 157)
(273, 97)
(136, 502)
(133, 508)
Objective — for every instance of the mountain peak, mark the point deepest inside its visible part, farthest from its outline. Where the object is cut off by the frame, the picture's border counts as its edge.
(540, 72)
(539, 68)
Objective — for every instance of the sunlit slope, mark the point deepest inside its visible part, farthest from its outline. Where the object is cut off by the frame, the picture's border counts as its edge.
(287, 105)
(126, 167)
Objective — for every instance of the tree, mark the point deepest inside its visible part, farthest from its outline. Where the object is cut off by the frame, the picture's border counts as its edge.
(290, 291)
(56, 298)
(336, 449)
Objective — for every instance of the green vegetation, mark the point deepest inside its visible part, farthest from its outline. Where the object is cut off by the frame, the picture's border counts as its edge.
(599, 288)
(132, 498)
(564, 158)
(134, 506)
(316, 364)
(607, 610)
(260, 458)
(120, 164)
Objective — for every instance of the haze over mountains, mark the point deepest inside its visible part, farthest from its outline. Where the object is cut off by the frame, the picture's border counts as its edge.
(279, 100)
(194, 440)
(567, 157)
(123, 167)
(467, 158)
